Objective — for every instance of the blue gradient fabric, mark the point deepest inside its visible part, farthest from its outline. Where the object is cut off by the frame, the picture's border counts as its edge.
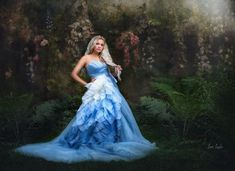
(103, 128)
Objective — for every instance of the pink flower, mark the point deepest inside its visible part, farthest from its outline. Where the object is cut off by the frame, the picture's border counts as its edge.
(126, 56)
(134, 40)
(36, 58)
(128, 42)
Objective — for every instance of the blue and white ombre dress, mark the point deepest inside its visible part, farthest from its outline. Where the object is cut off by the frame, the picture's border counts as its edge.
(103, 128)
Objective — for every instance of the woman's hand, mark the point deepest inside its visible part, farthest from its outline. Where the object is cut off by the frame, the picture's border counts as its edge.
(118, 67)
(118, 71)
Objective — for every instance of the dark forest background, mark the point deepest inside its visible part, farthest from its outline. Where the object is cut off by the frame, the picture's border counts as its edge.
(178, 61)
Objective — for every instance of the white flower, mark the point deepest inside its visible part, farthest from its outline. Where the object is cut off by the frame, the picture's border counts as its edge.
(44, 42)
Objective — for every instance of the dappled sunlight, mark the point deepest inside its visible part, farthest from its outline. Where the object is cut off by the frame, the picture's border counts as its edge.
(217, 11)
(178, 59)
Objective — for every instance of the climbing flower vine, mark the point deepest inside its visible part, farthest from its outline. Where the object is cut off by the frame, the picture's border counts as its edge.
(128, 43)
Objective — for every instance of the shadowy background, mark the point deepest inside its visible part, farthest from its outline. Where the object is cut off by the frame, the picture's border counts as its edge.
(178, 77)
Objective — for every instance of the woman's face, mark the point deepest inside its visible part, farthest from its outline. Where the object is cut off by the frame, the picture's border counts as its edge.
(98, 46)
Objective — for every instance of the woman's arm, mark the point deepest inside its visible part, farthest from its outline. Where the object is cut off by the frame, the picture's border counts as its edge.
(81, 63)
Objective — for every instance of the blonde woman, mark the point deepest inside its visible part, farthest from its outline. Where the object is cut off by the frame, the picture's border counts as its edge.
(104, 128)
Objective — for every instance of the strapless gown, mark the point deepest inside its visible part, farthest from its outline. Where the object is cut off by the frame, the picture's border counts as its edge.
(103, 129)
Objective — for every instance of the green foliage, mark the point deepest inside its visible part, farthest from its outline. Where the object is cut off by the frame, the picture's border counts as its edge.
(155, 109)
(15, 105)
(190, 96)
(202, 108)
(117, 17)
(15, 111)
(54, 115)
(224, 107)
(188, 99)
(155, 113)
(68, 107)
(23, 117)
(45, 111)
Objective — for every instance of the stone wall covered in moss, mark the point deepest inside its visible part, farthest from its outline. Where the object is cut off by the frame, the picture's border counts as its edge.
(41, 41)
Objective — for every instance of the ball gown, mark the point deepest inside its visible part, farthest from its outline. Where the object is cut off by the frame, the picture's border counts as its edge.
(103, 129)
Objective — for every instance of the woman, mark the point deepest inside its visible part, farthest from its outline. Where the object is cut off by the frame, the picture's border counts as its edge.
(104, 128)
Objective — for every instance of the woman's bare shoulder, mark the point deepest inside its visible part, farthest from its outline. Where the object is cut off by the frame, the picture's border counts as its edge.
(84, 58)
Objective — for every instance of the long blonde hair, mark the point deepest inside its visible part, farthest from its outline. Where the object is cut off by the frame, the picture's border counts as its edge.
(105, 55)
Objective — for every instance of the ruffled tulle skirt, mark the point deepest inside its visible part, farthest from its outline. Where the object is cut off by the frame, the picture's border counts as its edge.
(103, 129)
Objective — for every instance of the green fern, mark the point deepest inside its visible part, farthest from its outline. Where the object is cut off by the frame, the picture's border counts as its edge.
(15, 111)
(188, 98)
(155, 108)
(45, 111)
